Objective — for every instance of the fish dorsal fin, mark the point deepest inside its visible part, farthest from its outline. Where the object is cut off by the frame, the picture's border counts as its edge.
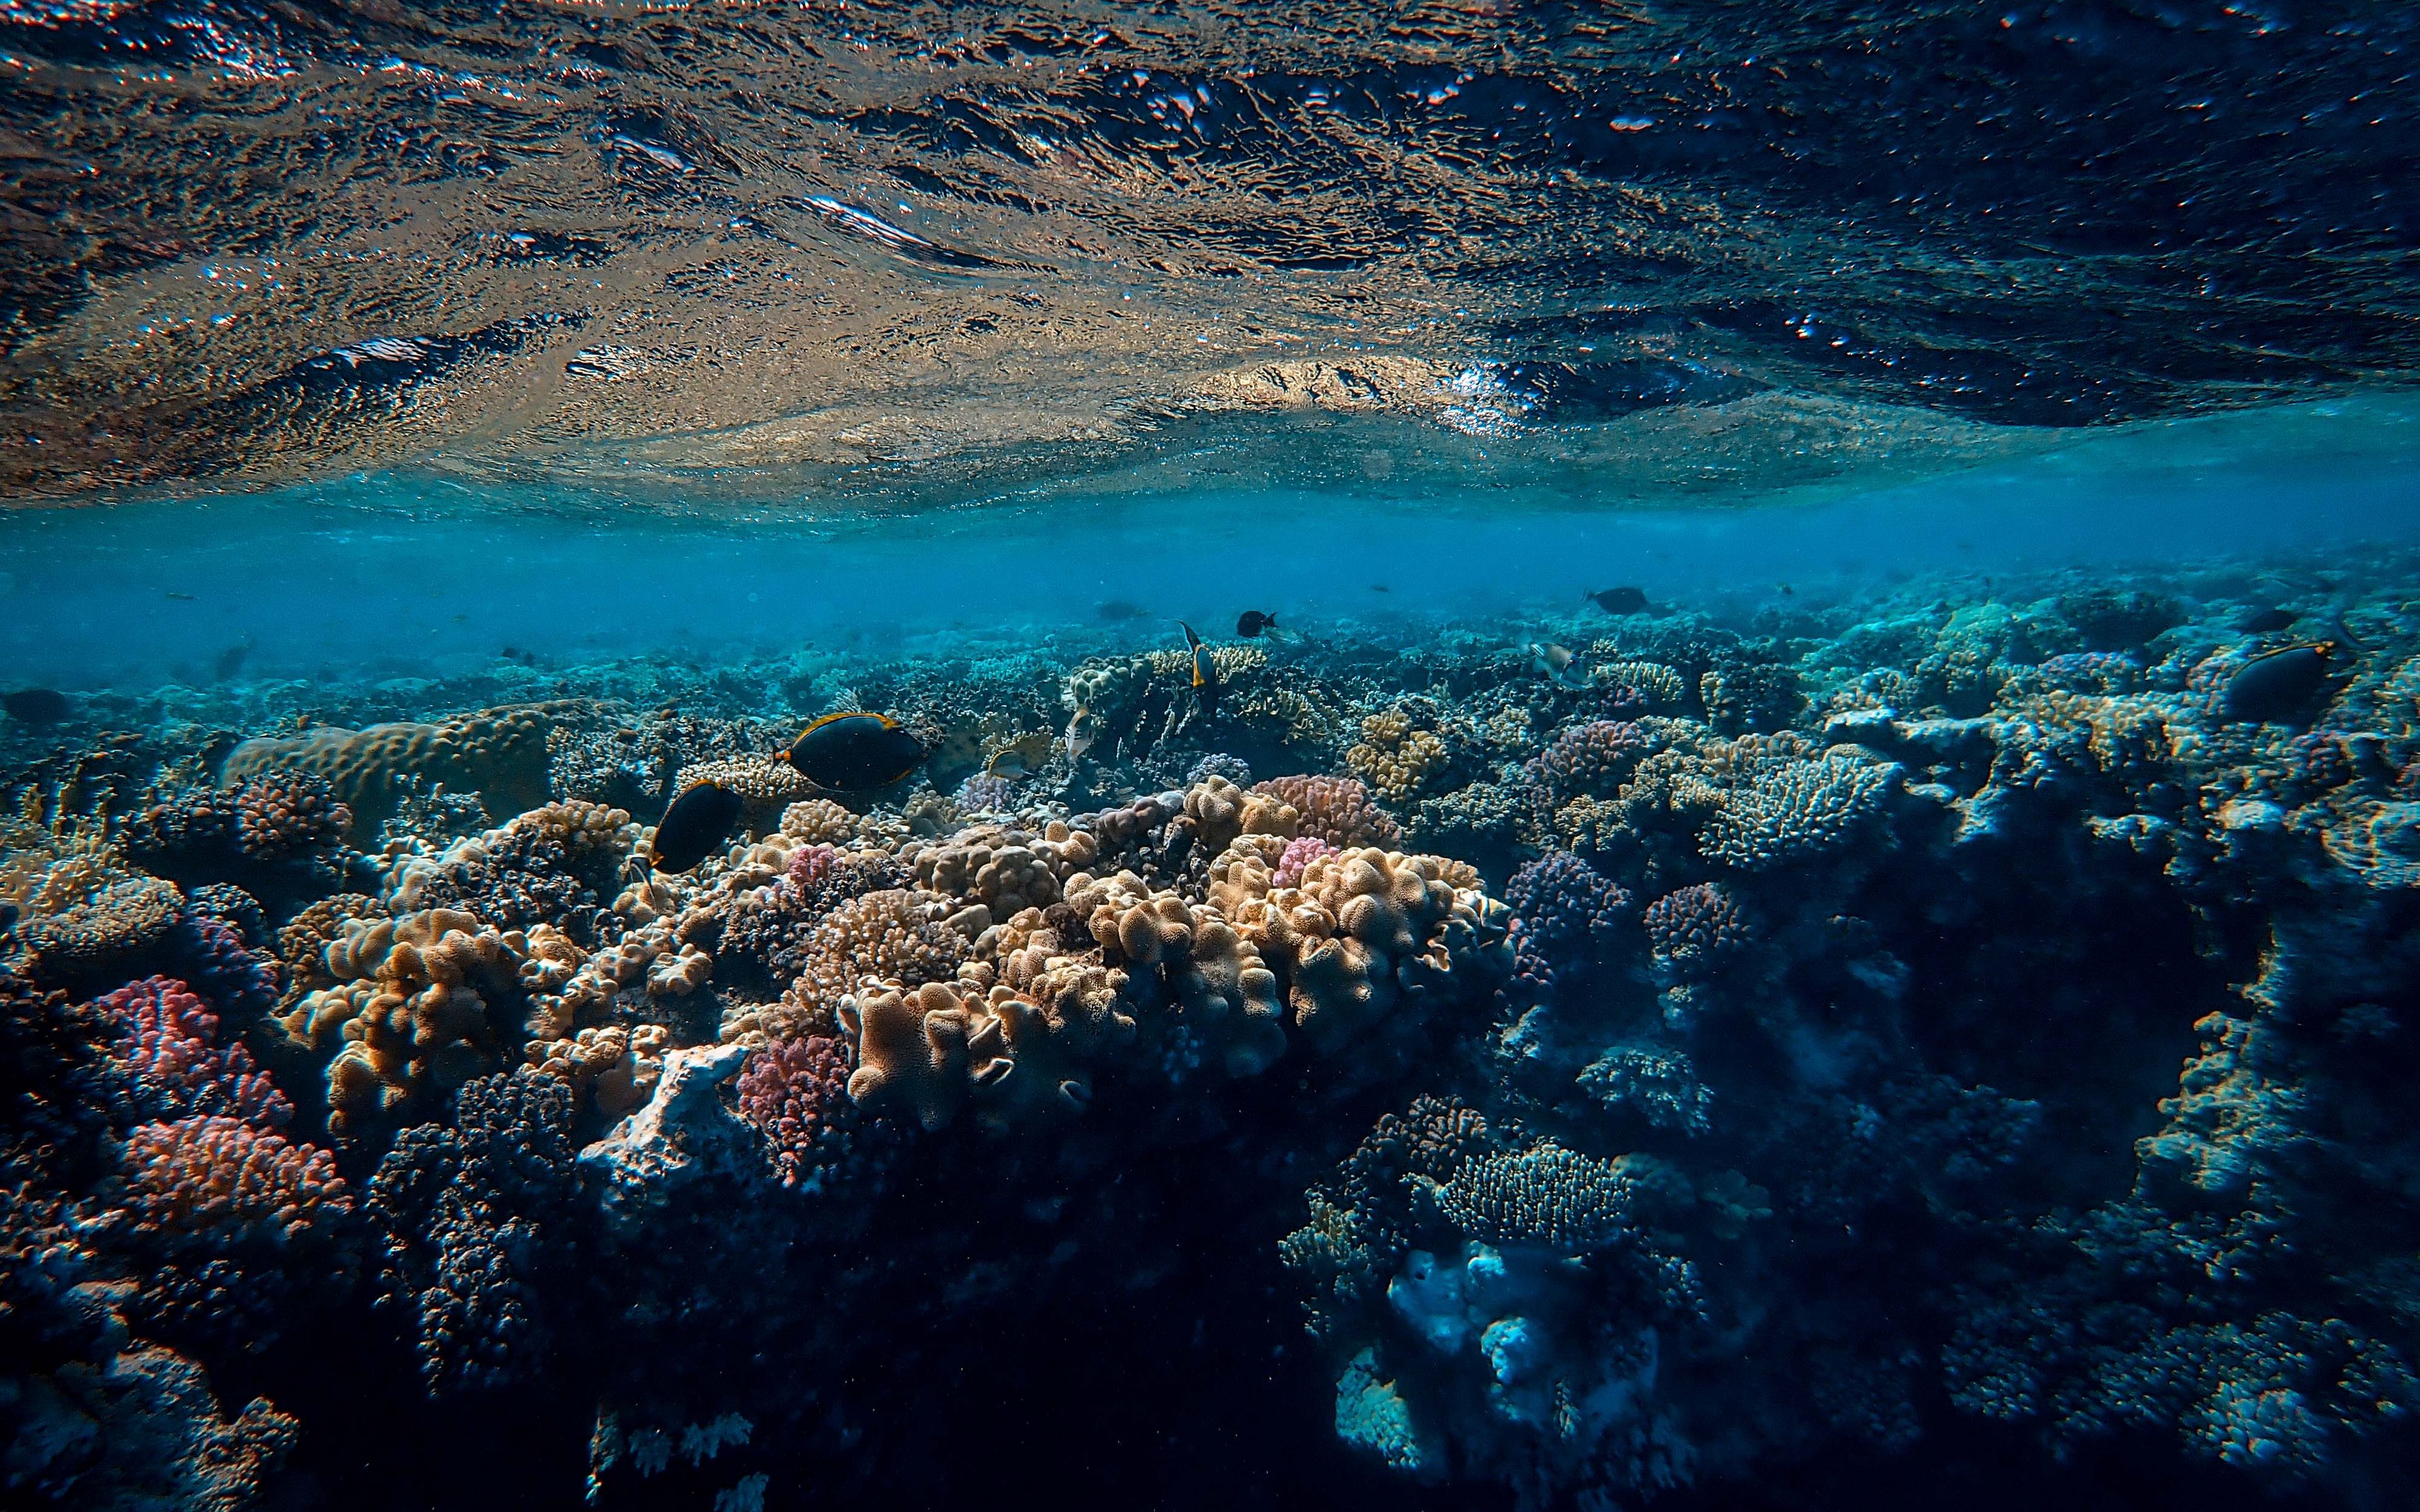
(887, 723)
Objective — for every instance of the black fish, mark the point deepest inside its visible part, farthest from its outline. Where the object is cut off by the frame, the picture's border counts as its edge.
(697, 822)
(2262, 621)
(1620, 600)
(854, 752)
(35, 706)
(1115, 609)
(2278, 688)
(1252, 622)
(1205, 671)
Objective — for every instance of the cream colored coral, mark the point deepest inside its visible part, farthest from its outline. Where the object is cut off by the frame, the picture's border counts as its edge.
(819, 822)
(613, 1068)
(1396, 760)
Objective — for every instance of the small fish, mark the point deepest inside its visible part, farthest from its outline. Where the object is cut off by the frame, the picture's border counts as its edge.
(1115, 609)
(853, 752)
(1083, 728)
(1205, 671)
(696, 823)
(230, 661)
(1618, 600)
(35, 706)
(1019, 757)
(1380, 588)
(1253, 624)
(2278, 688)
(1556, 664)
(1787, 592)
(186, 598)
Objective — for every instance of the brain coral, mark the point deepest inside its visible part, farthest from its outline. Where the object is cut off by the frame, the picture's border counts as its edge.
(1335, 808)
(1594, 758)
(500, 752)
(1693, 930)
(221, 1178)
(165, 1063)
(419, 1004)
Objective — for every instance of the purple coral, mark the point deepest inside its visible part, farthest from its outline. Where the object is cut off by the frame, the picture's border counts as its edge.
(242, 983)
(166, 1062)
(986, 794)
(1694, 929)
(221, 1178)
(1298, 854)
(1593, 758)
(1566, 917)
(1335, 808)
(796, 1094)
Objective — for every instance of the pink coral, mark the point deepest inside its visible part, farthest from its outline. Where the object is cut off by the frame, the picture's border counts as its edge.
(811, 864)
(796, 1094)
(215, 1178)
(1300, 853)
(167, 1063)
(1593, 758)
(1337, 810)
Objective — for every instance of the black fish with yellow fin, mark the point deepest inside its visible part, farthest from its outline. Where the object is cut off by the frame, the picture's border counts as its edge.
(2278, 688)
(1253, 624)
(1205, 670)
(854, 752)
(695, 824)
(35, 706)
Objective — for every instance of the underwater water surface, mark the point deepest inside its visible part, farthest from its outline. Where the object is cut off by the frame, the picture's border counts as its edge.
(1464, 754)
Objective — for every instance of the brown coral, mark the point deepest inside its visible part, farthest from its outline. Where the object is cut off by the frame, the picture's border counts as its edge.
(499, 753)
(1335, 808)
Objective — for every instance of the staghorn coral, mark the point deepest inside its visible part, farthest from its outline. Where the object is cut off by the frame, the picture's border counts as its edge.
(1334, 808)
(213, 1177)
(1779, 809)
(166, 1062)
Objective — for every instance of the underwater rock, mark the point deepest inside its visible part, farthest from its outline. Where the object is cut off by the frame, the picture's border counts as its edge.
(686, 1134)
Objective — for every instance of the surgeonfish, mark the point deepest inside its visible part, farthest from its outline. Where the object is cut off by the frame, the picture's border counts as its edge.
(695, 824)
(35, 706)
(1618, 600)
(1556, 664)
(854, 752)
(2279, 686)
(1205, 671)
(1253, 624)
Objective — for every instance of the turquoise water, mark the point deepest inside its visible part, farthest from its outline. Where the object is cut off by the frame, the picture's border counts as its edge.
(1459, 755)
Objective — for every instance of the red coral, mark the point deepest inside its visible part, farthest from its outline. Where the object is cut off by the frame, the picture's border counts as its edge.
(1337, 810)
(222, 1179)
(811, 864)
(165, 1061)
(796, 1094)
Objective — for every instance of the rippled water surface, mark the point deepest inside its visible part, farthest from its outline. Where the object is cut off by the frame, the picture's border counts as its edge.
(912, 252)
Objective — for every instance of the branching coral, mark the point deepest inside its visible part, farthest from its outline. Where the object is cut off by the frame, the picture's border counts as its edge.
(219, 1178)
(166, 1062)
(1593, 759)
(795, 1094)
(1693, 931)
(476, 1217)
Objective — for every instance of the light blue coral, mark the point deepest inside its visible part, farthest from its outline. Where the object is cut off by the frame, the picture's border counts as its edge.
(1791, 810)
(1371, 1414)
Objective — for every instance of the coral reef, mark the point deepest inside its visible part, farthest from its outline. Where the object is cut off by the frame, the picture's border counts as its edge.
(1806, 1037)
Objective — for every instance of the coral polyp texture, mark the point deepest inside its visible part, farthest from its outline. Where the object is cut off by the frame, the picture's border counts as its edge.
(1794, 1043)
